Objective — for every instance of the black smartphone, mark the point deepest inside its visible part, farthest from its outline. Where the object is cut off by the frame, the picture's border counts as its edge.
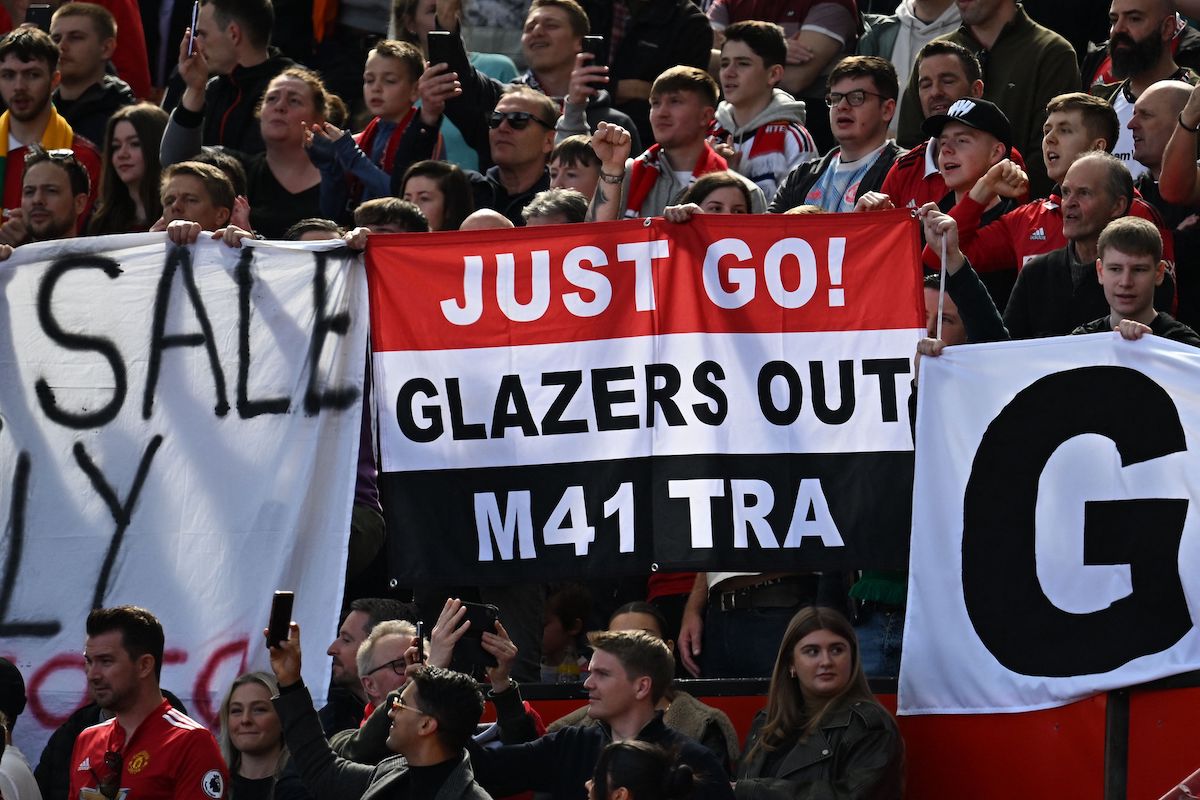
(38, 14)
(440, 47)
(281, 618)
(420, 642)
(469, 655)
(595, 46)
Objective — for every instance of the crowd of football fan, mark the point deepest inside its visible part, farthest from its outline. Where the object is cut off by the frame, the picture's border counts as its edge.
(1049, 153)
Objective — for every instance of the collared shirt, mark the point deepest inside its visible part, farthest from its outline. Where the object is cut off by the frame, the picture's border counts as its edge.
(169, 755)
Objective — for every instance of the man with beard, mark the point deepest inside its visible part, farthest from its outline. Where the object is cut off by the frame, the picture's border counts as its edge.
(148, 749)
(1139, 46)
(347, 698)
(1024, 65)
(28, 75)
(54, 193)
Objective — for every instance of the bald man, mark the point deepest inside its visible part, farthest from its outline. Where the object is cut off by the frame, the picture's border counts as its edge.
(1140, 48)
(485, 219)
(1155, 117)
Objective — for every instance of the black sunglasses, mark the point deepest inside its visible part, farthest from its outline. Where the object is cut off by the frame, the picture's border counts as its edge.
(518, 120)
(397, 664)
(110, 785)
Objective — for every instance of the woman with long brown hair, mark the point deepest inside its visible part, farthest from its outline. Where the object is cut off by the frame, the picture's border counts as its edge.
(822, 734)
(128, 198)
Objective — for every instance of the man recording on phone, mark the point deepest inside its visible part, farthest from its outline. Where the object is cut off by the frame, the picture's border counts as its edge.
(552, 45)
(431, 721)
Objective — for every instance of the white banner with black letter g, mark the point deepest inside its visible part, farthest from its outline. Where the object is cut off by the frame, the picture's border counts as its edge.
(1054, 511)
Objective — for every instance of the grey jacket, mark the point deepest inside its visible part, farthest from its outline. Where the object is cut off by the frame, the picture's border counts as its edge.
(331, 778)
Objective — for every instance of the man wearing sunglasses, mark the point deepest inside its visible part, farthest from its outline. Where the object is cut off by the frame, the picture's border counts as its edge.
(520, 138)
(862, 100)
(148, 750)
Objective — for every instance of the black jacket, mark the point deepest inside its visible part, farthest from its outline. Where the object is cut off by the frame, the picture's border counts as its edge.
(230, 102)
(1046, 302)
(856, 755)
(328, 777)
(1163, 325)
(88, 114)
(796, 185)
(490, 193)
(561, 762)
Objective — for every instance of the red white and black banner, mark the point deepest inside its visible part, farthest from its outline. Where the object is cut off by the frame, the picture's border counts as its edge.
(600, 399)
(1054, 534)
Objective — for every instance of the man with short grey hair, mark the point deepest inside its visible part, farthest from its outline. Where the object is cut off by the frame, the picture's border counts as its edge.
(381, 658)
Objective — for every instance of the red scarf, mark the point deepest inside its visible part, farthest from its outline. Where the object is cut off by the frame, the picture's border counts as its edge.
(366, 139)
(645, 171)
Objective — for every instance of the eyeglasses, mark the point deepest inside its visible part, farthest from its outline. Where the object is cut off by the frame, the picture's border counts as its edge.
(110, 785)
(398, 704)
(397, 665)
(517, 120)
(855, 98)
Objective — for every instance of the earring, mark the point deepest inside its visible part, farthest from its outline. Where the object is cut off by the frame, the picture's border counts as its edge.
(791, 672)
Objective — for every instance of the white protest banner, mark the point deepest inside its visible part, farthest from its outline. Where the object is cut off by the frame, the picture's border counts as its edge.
(1054, 523)
(180, 430)
(592, 400)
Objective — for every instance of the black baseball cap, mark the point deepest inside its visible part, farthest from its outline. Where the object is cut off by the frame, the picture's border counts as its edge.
(974, 112)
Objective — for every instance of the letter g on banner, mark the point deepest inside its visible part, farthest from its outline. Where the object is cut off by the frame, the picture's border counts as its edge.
(1010, 611)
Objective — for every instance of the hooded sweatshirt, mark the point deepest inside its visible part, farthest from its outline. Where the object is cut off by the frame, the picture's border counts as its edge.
(901, 36)
(771, 143)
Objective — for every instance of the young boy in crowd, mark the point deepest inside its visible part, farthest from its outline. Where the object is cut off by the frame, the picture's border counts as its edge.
(360, 167)
(573, 165)
(683, 101)
(761, 127)
(1130, 267)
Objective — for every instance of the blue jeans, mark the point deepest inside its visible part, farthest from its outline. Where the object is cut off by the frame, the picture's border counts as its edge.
(743, 643)
(880, 637)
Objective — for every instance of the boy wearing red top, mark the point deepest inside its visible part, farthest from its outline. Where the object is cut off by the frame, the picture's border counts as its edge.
(148, 749)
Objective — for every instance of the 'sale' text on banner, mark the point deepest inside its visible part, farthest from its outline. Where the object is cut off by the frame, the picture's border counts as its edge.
(179, 429)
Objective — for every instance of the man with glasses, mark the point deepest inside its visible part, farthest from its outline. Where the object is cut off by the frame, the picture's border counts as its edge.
(381, 659)
(148, 749)
(520, 138)
(431, 723)
(862, 100)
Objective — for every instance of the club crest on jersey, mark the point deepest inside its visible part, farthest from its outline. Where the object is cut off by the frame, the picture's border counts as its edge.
(138, 762)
